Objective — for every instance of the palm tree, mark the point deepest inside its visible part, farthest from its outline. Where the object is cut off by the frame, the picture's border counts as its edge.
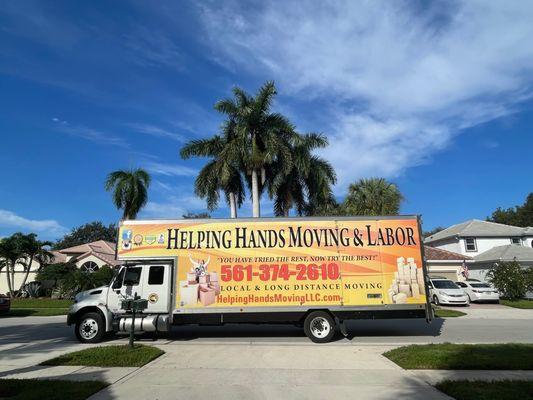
(11, 253)
(130, 190)
(261, 138)
(307, 186)
(373, 196)
(33, 249)
(221, 173)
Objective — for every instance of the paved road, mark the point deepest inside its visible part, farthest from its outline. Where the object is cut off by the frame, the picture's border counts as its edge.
(265, 362)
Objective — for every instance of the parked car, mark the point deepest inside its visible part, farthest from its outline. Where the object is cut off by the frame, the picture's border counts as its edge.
(5, 304)
(479, 291)
(445, 291)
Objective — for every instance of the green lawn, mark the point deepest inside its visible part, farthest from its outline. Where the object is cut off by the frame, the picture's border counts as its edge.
(37, 389)
(479, 390)
(442, 313)
(109, 356)
(43, 307)
(35, 312)
(523, 303)
(463, 356)
(40, 303)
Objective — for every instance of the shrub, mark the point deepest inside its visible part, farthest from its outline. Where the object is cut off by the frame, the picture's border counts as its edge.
(510, 279)
(32, 289)
(78, 281)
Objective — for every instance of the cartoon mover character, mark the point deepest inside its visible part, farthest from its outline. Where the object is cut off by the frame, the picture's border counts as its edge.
(200, 284)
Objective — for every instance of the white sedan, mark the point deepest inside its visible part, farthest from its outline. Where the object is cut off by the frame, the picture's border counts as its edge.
(479, 291)
(444, 291)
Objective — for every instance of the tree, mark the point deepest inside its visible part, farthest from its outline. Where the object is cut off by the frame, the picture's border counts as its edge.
(510, 279)
(87, 233)
(516, 216)
(221, 173)
(190, 215)
(130, 190)
(373, 196)
(259, 138)
(33, 249)
(307, 186)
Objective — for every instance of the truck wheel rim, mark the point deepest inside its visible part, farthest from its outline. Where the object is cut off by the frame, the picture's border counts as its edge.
(89, 328)
(320, 327)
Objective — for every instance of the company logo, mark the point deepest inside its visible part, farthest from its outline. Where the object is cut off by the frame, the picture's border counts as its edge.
(126, 239)
(150, 239)
(161, 238)
(138, 239)
(153, 298)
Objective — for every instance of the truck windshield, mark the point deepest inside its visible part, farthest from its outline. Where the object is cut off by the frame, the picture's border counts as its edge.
(117, 284)
(445, 285)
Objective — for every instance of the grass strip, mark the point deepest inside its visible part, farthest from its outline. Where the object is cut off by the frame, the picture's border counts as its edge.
(35, 312)
(522, 303)
(445, 313)
(478, 390)
(45, 389)
(109, 356)
(40, 303)
(464, 356)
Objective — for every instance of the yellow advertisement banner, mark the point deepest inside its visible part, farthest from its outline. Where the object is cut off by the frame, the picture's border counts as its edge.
(294, 262)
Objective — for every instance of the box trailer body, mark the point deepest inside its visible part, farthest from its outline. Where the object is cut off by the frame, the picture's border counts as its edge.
(316, 272)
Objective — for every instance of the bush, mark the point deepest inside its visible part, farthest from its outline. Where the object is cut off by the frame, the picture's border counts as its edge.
(32, 289)
(78, 281)
(511, 279)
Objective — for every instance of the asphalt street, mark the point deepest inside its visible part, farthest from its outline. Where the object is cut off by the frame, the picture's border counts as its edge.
(262, 361)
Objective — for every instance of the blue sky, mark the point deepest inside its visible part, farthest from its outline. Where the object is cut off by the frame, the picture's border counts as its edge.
(435, 96)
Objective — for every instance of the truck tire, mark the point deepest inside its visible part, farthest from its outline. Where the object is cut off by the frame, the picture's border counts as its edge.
(319, 326)
(90, 328)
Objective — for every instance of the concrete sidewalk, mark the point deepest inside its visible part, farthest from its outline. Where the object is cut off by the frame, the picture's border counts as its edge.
(237, 371)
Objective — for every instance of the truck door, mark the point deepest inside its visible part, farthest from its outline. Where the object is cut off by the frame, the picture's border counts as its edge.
(156, 287)
(127, 283)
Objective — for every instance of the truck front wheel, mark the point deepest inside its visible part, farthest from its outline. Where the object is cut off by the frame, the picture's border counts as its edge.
(319, 326)
(90, 328)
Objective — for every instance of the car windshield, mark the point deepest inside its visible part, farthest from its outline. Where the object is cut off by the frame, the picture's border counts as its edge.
(480, 285)
(445, 285)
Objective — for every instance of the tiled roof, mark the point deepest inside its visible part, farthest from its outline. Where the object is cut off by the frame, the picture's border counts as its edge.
(101, 249)
(478, 228)
(433, 253)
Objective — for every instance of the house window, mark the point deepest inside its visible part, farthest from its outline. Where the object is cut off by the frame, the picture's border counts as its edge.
(156, 275)
(516, 240)
(471, 244)
(89, 266)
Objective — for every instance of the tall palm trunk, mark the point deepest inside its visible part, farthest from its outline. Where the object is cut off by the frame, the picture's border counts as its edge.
(28, 268)
(255, 195)
(9, 281)
(232, 205)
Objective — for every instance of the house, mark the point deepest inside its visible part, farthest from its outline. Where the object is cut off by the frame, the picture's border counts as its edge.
(447, 264)
(486, 243)
(474, 237)
(88, 257)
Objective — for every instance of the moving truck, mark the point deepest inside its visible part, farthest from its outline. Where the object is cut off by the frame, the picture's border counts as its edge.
(312, 272)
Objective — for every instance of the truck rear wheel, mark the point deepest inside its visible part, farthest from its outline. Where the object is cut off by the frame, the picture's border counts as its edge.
(90, 328)
(319, 326)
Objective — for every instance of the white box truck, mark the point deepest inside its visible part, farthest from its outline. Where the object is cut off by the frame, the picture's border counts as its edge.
(312, 272)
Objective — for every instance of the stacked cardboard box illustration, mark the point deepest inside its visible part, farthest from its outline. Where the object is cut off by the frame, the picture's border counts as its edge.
(204, 288)
(408, 281)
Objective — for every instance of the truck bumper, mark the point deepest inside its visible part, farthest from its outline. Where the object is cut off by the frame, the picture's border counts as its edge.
(71, 318)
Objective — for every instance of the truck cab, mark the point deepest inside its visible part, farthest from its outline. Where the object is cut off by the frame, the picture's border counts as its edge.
(98, 311)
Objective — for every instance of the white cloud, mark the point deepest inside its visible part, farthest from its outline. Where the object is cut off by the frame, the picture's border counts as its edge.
(156, 131)
(159, 168)
(394, 81)
(173, 206)
(49, 227)
(90, 134)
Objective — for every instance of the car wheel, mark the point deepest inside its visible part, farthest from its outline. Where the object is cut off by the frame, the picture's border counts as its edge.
(319, 326)
(90, 328)
(436, 300)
